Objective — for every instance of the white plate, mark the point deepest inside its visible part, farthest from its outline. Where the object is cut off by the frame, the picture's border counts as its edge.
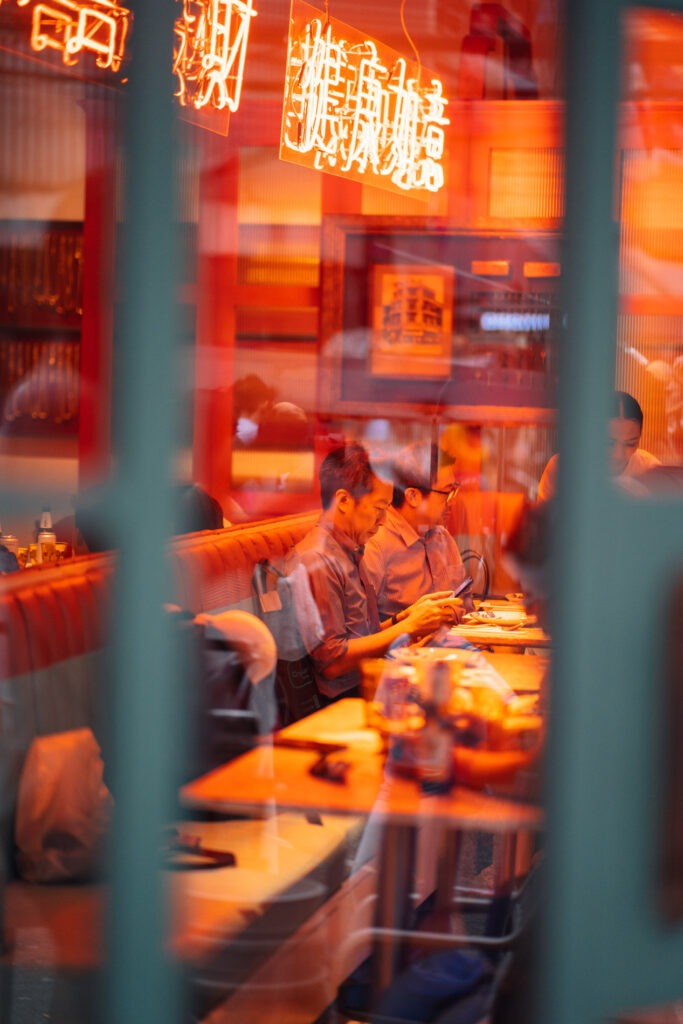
(498, 617)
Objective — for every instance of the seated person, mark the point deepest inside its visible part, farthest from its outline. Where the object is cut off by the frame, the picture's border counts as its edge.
(193, 509)
(354, 502)
(627, 460)
(412, 554)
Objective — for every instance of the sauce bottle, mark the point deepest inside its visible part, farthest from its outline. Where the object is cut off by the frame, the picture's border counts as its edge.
(46, 540)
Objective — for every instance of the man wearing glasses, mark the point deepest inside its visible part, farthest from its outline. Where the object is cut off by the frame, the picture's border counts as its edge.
(412, 553)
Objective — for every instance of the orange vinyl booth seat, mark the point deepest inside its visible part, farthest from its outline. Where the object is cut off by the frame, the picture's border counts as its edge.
(54, 625)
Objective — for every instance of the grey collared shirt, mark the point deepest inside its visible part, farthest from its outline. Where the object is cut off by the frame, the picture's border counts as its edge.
(403, 565)
(331, 560)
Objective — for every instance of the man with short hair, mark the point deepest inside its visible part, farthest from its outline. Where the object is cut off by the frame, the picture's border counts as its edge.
(355, 503)
(412, 553)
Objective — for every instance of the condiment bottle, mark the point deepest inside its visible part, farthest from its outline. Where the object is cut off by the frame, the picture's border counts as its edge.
(435, 739)
(46, 539)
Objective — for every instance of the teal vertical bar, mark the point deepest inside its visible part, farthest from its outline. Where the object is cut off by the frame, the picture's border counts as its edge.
(604, 949)
(142, 984)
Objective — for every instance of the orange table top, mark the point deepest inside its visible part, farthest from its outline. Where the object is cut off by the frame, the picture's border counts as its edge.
(272, 777)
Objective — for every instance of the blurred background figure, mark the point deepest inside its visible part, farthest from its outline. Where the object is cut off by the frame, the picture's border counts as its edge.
(251, 401)
(461, 449)
(627, 461)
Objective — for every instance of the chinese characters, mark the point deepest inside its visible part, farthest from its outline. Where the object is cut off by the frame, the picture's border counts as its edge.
(354, 112)
(210, 50)
(99, 27)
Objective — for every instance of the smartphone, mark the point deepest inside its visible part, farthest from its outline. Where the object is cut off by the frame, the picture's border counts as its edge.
(462, 587)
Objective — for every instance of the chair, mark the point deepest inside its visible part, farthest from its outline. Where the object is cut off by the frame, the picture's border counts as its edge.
(476, 566)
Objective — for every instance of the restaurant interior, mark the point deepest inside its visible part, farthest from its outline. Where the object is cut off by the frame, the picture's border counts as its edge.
(236, 235)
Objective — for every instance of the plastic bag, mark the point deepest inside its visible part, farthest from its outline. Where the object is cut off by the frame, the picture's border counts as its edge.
(63, 808)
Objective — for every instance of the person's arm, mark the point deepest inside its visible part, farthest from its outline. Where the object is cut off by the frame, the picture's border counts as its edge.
(424, 617)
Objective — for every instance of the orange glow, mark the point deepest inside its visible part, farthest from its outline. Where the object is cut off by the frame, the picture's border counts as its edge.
(356, 108)
(99, 27)
(210, 50)
(491, 268)
(532, 269)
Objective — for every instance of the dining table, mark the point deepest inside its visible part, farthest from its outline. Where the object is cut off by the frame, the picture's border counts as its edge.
(282, 773)
(497, 623)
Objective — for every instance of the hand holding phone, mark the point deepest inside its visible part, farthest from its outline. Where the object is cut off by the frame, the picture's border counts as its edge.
(462, 587)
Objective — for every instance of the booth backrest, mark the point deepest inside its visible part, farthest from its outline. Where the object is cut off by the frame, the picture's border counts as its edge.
(54, 630)
(214, 569)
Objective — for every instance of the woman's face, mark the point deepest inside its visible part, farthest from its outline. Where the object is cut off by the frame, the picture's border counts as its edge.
(624, 438)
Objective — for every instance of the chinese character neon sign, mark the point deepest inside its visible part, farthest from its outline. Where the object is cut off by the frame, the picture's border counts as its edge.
(208, 56)
(99, 27)
(356, 108)
(210, 49)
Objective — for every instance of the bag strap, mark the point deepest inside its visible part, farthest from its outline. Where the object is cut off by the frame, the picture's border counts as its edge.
(267, 599)
(262, 570)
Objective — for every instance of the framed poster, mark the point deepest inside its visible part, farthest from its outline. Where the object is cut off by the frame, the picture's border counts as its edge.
(411, 318)
(419, 316)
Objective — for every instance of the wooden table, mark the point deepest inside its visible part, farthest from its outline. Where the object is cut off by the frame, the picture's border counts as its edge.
(279, 777)
(525, 675)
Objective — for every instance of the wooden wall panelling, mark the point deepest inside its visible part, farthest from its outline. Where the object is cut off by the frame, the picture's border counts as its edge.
(516, 165)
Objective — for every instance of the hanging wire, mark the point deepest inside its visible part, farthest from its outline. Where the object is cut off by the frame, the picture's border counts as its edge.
(327, 14)
(409, 38)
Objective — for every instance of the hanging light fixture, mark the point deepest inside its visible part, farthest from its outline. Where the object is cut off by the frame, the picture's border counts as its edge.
(210, 50)
(356, 108)
(99, 27)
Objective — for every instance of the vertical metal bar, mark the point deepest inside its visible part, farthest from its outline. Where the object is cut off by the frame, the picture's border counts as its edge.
(141, 983)
(603, 949)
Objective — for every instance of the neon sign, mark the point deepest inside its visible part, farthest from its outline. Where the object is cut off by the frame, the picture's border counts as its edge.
(208, 55)
(99, 28)
(356, 108)
(210, 50)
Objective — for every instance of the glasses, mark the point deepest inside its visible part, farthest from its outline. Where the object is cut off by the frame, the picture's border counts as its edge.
(450, 494)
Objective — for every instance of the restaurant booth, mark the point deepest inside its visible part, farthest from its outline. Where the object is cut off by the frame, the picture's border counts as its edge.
(234, 235)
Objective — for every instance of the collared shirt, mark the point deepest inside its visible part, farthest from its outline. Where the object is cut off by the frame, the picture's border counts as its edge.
(331, 559)
(639, 463)
(403, 565)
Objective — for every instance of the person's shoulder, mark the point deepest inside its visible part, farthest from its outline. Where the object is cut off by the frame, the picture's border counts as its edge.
(318, 544)
(374, 555)
(548, 483)
(384, 536)
(641, 461)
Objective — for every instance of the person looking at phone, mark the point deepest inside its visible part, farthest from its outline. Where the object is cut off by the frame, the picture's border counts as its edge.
(355, 502)
(627, 459)
(412, 554)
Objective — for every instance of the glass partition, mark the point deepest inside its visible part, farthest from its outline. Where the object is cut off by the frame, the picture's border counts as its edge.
(234, 237)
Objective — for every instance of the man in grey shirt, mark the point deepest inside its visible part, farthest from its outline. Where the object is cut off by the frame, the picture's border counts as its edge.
(355, 503)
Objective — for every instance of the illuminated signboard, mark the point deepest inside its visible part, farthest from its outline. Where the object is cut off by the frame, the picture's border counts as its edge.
(209, 52)
(98, 28)
(208, 55)
(356, 108)
(500, 321)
